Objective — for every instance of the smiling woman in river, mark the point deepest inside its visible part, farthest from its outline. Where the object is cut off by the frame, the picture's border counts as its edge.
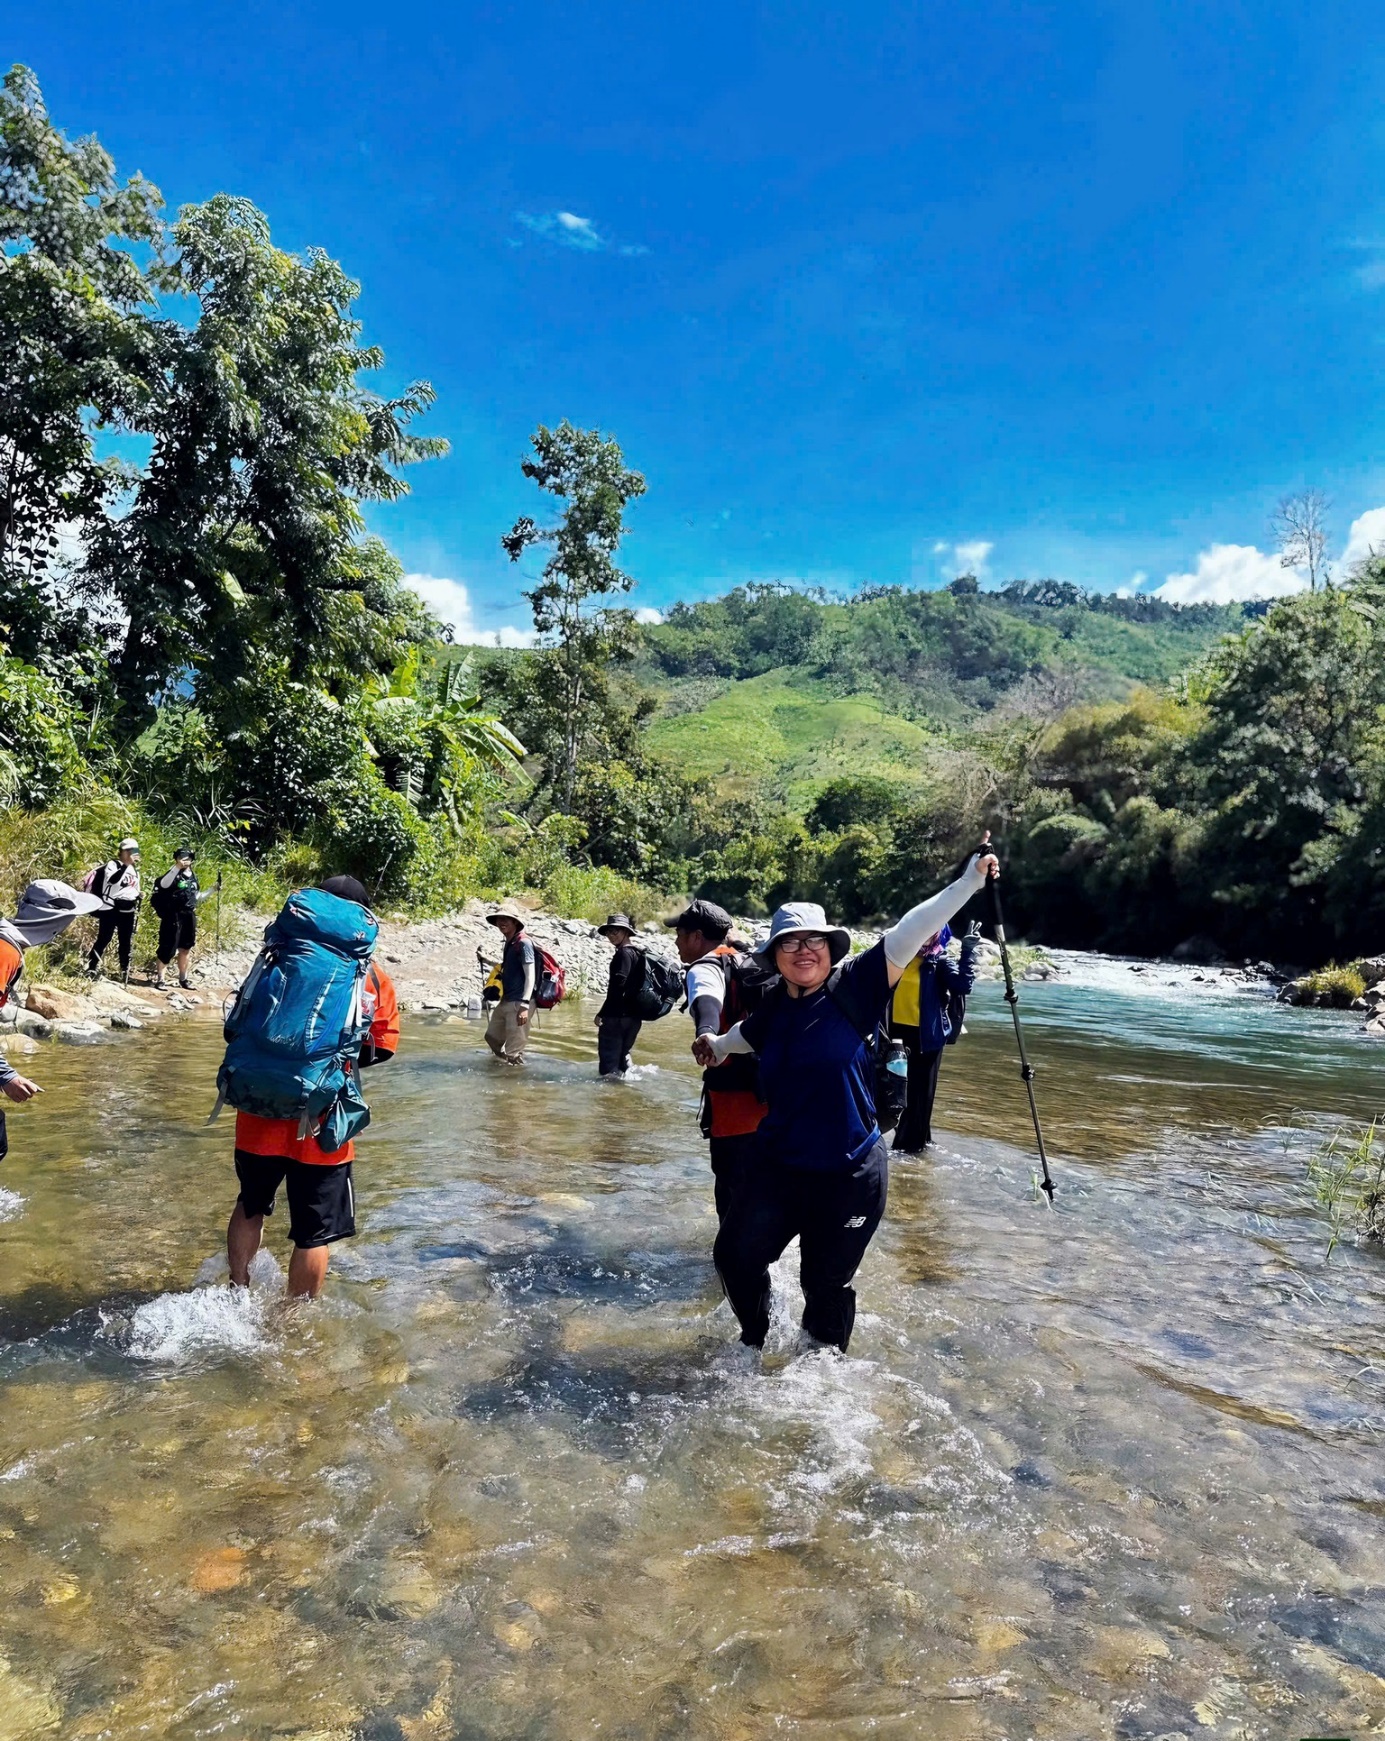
(823, 1169)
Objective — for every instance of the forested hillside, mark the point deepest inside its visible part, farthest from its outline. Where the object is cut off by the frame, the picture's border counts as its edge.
(205, 643)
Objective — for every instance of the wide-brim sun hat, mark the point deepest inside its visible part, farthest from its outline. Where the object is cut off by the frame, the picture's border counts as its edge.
(47, 907)
(617, 922)
(797, 917)
(507, 910)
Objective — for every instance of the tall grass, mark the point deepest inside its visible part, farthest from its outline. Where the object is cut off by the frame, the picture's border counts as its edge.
(1347, 1173)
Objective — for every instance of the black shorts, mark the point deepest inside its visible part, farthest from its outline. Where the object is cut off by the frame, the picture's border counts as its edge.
(176, 931)
(322, 1205)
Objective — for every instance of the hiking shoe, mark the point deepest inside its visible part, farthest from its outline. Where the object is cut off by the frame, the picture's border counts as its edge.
(185, 983)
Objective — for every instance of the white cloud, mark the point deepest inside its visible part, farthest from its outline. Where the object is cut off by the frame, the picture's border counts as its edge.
(564, 228)
(450, 603)
(1367, 536)
(567, 230)
(647, 614)
(1231, 574)
(973, 556)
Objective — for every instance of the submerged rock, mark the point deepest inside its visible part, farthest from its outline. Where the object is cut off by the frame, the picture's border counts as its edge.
(78, 1033)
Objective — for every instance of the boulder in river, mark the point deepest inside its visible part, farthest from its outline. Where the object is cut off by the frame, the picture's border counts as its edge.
(1201, 950)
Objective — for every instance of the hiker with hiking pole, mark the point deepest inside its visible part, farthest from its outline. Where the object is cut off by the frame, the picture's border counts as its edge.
(822, 1168)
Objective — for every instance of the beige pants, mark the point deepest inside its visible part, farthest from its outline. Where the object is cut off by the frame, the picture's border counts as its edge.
(506, 1035)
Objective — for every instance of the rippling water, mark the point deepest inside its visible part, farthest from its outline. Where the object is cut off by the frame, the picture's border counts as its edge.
(1109, 1471)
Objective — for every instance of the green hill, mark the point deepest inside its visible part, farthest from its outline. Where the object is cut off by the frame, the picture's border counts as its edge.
(773, 687)
(792, 731)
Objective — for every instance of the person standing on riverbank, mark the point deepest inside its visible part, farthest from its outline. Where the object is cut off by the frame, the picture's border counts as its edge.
(175, 900)
(118, 885)
(276, 1151)
(507, 1032)
(922, 1015)
(618, 1021)
(45, 911)
(723, 985)
(822, 1168)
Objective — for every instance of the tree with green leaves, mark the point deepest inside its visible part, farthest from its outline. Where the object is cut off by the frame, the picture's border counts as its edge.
(242, 541)
(78, 350)
(580, 636)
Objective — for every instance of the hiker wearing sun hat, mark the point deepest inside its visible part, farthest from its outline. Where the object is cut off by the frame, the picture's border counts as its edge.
(507, 1032)
(822, 1169)
(618, 1021)
(117, 883)
(45, 911)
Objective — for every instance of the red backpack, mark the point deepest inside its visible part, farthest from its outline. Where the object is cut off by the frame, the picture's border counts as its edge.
(550, 978)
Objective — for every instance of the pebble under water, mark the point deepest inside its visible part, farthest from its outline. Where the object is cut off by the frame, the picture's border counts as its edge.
(1110, 1471)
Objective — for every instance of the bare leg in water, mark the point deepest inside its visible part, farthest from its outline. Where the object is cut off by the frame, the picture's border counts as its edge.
(307, 1267)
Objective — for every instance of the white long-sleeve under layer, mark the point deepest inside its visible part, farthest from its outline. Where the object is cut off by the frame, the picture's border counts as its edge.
(902, 941)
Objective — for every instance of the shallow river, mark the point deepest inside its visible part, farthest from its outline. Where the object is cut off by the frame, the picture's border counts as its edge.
(1113, 1470)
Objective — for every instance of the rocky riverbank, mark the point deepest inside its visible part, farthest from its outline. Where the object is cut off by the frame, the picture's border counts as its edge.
(433, 963)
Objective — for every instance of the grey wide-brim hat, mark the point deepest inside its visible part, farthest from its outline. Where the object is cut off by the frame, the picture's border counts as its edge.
(617, 922)
(798, 916)
(507, 910)
(47, 907)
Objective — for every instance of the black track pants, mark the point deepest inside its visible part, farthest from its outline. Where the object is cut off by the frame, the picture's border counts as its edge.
(834, 1215)
(114, 922)
(614, 1039)
(731, 1155)
(915, 1130)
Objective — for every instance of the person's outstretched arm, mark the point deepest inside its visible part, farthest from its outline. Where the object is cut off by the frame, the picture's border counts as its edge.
(904, 940)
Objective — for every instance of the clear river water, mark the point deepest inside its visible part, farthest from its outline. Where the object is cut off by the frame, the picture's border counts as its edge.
(1113, 1470)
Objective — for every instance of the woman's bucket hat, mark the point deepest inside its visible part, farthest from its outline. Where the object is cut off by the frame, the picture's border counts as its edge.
(799, 916)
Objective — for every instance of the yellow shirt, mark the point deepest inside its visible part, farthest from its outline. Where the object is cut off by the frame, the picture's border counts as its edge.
(905, 1007)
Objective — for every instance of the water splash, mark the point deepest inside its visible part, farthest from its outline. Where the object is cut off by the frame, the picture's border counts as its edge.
(11, 1205)
(212, 1318)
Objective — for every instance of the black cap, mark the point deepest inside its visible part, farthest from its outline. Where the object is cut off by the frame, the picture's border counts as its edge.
(345, 889)
(704, 916)
(185, 852)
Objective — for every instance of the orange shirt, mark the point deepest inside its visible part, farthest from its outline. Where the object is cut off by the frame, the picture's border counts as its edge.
(278, 1138)
(11, 966)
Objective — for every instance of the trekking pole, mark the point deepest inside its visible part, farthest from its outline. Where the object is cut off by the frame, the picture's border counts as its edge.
(218, 919)
(1012, 998)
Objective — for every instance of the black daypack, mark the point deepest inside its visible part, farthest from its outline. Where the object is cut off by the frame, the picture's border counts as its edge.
(164, 900)
(661, 986)
(891, 1089)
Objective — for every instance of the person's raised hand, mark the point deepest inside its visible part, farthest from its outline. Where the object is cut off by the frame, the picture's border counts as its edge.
(985, 864)
(20, 1088)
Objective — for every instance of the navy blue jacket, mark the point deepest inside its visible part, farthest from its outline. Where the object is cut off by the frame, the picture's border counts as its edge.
(939, 977)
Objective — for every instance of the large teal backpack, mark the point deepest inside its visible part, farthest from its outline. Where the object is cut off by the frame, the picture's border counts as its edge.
(294, 1033)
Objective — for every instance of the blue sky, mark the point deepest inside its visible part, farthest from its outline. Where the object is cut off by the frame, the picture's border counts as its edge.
(1079, 288)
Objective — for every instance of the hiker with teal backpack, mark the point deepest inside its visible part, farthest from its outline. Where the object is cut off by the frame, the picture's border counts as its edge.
(314, 1011)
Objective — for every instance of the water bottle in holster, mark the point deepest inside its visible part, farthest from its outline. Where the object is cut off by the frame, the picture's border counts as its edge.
(891, 1080)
